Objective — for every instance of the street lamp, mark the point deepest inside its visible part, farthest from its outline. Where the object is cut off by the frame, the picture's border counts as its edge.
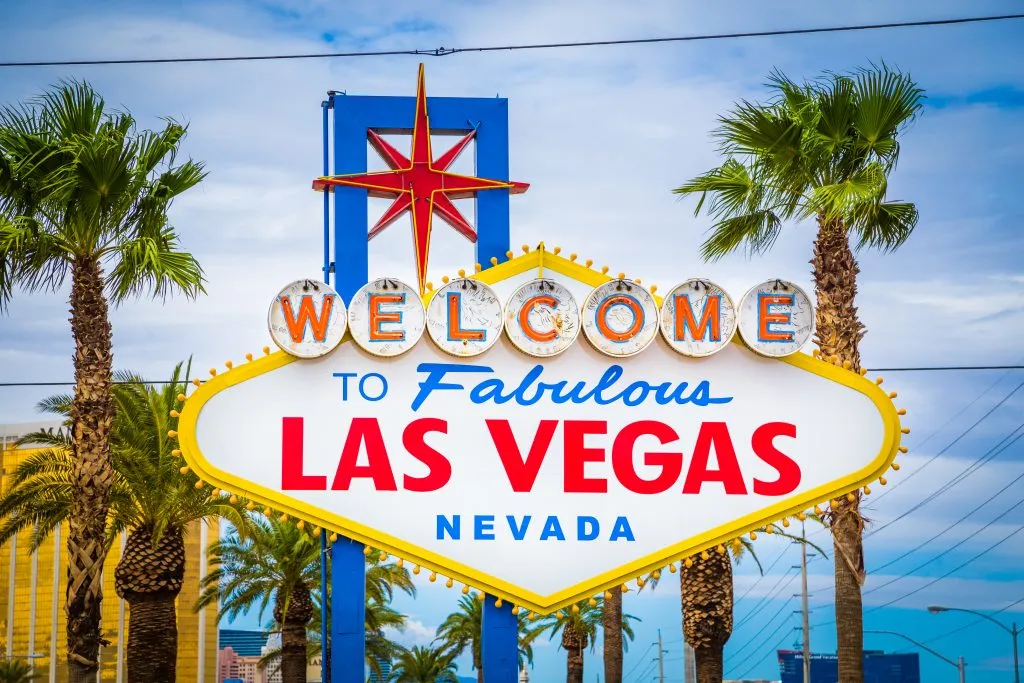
(959, 663)
(1013, 631)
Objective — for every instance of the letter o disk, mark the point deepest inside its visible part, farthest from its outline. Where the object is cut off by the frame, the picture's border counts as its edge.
(541, 318)
(620, 318)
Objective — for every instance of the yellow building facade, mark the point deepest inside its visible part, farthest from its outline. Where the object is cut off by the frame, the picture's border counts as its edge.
(32, 587)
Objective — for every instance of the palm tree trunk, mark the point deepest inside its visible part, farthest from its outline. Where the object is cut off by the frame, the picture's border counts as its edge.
(838, 335)
(149, 577)
(152, 639)
(710, 664)
(611, 618)
(478, 665)
(92, 412)
(574, 641)
(293, 621)
(574, 666)
(293, 652)
(706, 587)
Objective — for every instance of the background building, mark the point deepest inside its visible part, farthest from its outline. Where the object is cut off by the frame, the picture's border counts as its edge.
(32, 586)
(879, 667)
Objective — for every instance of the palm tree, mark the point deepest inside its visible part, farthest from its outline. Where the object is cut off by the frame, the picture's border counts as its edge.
(462, 629)
(578, 626)
(83, 192)
(425, 665)
(150, 499)
(821, 150)
(273, 559)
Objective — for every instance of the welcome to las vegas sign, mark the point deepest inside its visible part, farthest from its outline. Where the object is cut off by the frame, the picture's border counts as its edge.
(518, 433)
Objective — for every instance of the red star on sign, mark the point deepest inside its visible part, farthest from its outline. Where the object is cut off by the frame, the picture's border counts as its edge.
(420, 184)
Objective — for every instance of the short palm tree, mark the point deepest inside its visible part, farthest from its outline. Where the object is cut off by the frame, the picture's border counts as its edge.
(578, 625)
(425, 665)
(84, 193)
(273, 560)
(461, 630)
(150, 499)
(821, 150)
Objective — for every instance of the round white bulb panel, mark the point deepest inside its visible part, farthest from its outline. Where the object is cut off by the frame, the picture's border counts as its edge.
(776, 318)
(307, 319)
(620, 318)
(465, 318)
(698, 318)
(542, 318)
(386, 317)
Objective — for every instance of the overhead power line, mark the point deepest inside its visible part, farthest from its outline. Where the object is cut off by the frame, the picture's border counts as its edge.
(936, 368)
(446, 51)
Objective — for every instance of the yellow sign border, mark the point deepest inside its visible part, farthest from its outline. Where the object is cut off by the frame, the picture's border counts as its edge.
(539, 259)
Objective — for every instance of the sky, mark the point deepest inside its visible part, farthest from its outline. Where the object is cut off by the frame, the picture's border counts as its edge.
(603, 135)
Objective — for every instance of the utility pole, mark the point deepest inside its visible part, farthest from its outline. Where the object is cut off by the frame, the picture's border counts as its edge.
(806, 615)
(661, 659)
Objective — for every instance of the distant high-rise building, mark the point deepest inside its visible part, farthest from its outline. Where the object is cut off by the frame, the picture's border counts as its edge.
(385, 670)
(32, 587)
(273, 670)
(879, 667)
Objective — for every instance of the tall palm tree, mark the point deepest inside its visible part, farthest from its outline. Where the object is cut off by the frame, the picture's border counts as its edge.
(425, 665)
(820, 150)
(578, 626)
(84, 193)
(611, 623)
(462, 629)
(150, 499)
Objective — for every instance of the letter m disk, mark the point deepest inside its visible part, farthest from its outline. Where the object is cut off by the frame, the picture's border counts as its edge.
(307, 315)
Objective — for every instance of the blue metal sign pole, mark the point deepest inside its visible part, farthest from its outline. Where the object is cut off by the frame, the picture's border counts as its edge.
(325, 555)
(344, 649)
(500, 646)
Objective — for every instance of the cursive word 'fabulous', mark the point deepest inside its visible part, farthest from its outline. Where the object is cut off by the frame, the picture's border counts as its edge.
(606, 390)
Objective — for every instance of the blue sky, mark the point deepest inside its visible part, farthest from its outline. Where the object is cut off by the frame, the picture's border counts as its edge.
(603, 135)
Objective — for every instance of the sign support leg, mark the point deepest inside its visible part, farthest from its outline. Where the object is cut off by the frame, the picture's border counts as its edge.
(348, 612)
(500, 647)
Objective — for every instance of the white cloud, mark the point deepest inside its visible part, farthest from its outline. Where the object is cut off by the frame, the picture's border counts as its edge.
(414, 633)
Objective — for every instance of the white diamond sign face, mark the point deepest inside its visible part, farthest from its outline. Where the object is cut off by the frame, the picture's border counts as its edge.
(540, 480)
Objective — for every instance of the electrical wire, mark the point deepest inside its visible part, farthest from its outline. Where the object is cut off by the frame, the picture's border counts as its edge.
(771, 595)
(951, 526)
(446, 51)
(991, 454)
(938, 578)
(760, 645)
(637, 665)
(916, 470)
(928, 369)
(774, 648)
(947, 550)
(767, 625)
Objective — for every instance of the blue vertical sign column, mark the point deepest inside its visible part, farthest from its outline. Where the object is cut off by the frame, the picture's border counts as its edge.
(500, 647)
(353, 116)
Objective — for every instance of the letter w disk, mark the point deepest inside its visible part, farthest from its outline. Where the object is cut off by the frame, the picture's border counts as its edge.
(307, 315)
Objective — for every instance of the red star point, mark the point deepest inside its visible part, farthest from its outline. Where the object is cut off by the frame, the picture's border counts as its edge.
(420, 184)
